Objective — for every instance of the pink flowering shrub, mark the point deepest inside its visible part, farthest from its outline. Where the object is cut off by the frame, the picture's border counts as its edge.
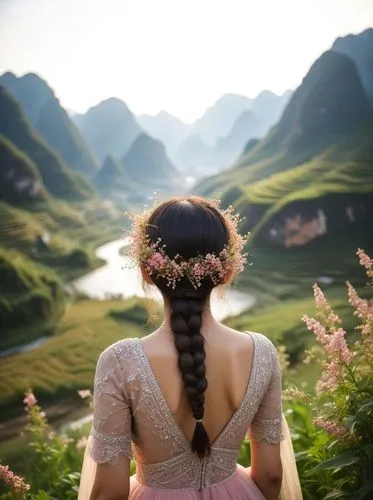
(336, 453)
(54, 457)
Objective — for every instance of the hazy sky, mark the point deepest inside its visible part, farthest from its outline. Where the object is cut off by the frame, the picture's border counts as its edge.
(178, 55)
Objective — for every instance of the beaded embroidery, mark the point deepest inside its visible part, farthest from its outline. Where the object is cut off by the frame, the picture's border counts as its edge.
(141, 399)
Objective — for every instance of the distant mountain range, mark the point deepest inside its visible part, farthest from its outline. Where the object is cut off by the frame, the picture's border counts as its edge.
(359, 49)
(166, 128)
(50, 120)
(142, 169)
(59, 179)
(302, 175)
(309, 182)
(219, 136)
(109, 128)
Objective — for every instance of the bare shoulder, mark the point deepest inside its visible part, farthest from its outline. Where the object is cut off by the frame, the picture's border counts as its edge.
(235, 338)
(248, 338)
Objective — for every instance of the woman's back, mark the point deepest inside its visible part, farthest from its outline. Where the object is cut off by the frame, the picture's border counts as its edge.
(134, 398)
(228, 363)
(184, 398)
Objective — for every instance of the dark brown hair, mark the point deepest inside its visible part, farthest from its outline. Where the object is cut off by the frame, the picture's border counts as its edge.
(189, 227)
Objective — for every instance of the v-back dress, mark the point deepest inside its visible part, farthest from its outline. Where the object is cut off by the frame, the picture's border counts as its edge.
(132, 418)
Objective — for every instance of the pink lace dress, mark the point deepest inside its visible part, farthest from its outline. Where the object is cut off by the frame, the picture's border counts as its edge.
(132, 418)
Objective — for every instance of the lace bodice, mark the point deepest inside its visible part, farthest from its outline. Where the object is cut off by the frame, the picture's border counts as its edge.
(132, 418)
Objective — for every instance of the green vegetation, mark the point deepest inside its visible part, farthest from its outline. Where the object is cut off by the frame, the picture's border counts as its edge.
(147, 162)
(331, 430)
(66, 362)
(58, 235)
(49, 237)
(20, 180)
(50, 120)
(359, 48)
(111, 176)
(316, 162)
(31, 299)
(109, 128)
(281, 322)
(59, 179)
(39, 232)
(328, 107)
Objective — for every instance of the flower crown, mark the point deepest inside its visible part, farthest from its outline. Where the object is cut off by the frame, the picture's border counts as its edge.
(153, 257)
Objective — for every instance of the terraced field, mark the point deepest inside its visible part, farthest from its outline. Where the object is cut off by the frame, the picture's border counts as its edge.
(66, 362)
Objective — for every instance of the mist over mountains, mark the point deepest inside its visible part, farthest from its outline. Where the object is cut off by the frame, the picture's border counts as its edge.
(309, 182)
(220, 134)
(297, 166)
(273, 143)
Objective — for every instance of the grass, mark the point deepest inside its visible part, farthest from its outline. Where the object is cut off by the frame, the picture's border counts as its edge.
(281, 322)
(67, 361)
(42, 246)
(286, 182)
(31, 299)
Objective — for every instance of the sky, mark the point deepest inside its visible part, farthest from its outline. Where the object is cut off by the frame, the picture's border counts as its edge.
(176, 55)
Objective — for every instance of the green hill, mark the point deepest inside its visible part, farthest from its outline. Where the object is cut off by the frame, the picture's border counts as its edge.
(20, 180)
(59, 179)
(328, 105)
(31, 299)
(306, 189)
(147, 163)
(109, 128)
(360, 49)
(228, 148)
(46, 238)
(50, 120)
(111, 176)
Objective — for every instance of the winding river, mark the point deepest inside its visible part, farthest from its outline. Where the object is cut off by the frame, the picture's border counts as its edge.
(116, 279)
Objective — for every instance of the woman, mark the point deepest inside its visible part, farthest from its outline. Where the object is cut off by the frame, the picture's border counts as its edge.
(183, 398)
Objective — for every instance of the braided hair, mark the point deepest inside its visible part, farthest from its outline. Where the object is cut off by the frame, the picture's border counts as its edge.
(189, 227)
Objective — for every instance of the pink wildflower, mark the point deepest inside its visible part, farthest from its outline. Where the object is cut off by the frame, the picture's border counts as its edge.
(363, 309)
(339, 431)
(30, 399)
(333, 319)
(316, 327)
(330, 376)
(337, 346)
(365, 260)
(293, 392)
(85, 393)
(17, 483)
(319, 297)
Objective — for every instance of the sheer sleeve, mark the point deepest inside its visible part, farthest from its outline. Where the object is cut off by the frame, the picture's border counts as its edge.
(267, 421)
(111, 430)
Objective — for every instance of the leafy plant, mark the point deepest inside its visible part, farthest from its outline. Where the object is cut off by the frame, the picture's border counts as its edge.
(339, 461)
(52, 476)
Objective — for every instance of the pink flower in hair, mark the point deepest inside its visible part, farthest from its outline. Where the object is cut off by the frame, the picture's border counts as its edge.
(215, 267)
(156, 262)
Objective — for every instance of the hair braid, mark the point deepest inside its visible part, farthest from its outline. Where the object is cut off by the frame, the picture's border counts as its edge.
(186, 322)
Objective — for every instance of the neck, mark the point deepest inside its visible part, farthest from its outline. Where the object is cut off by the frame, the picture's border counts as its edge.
(208, 320)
